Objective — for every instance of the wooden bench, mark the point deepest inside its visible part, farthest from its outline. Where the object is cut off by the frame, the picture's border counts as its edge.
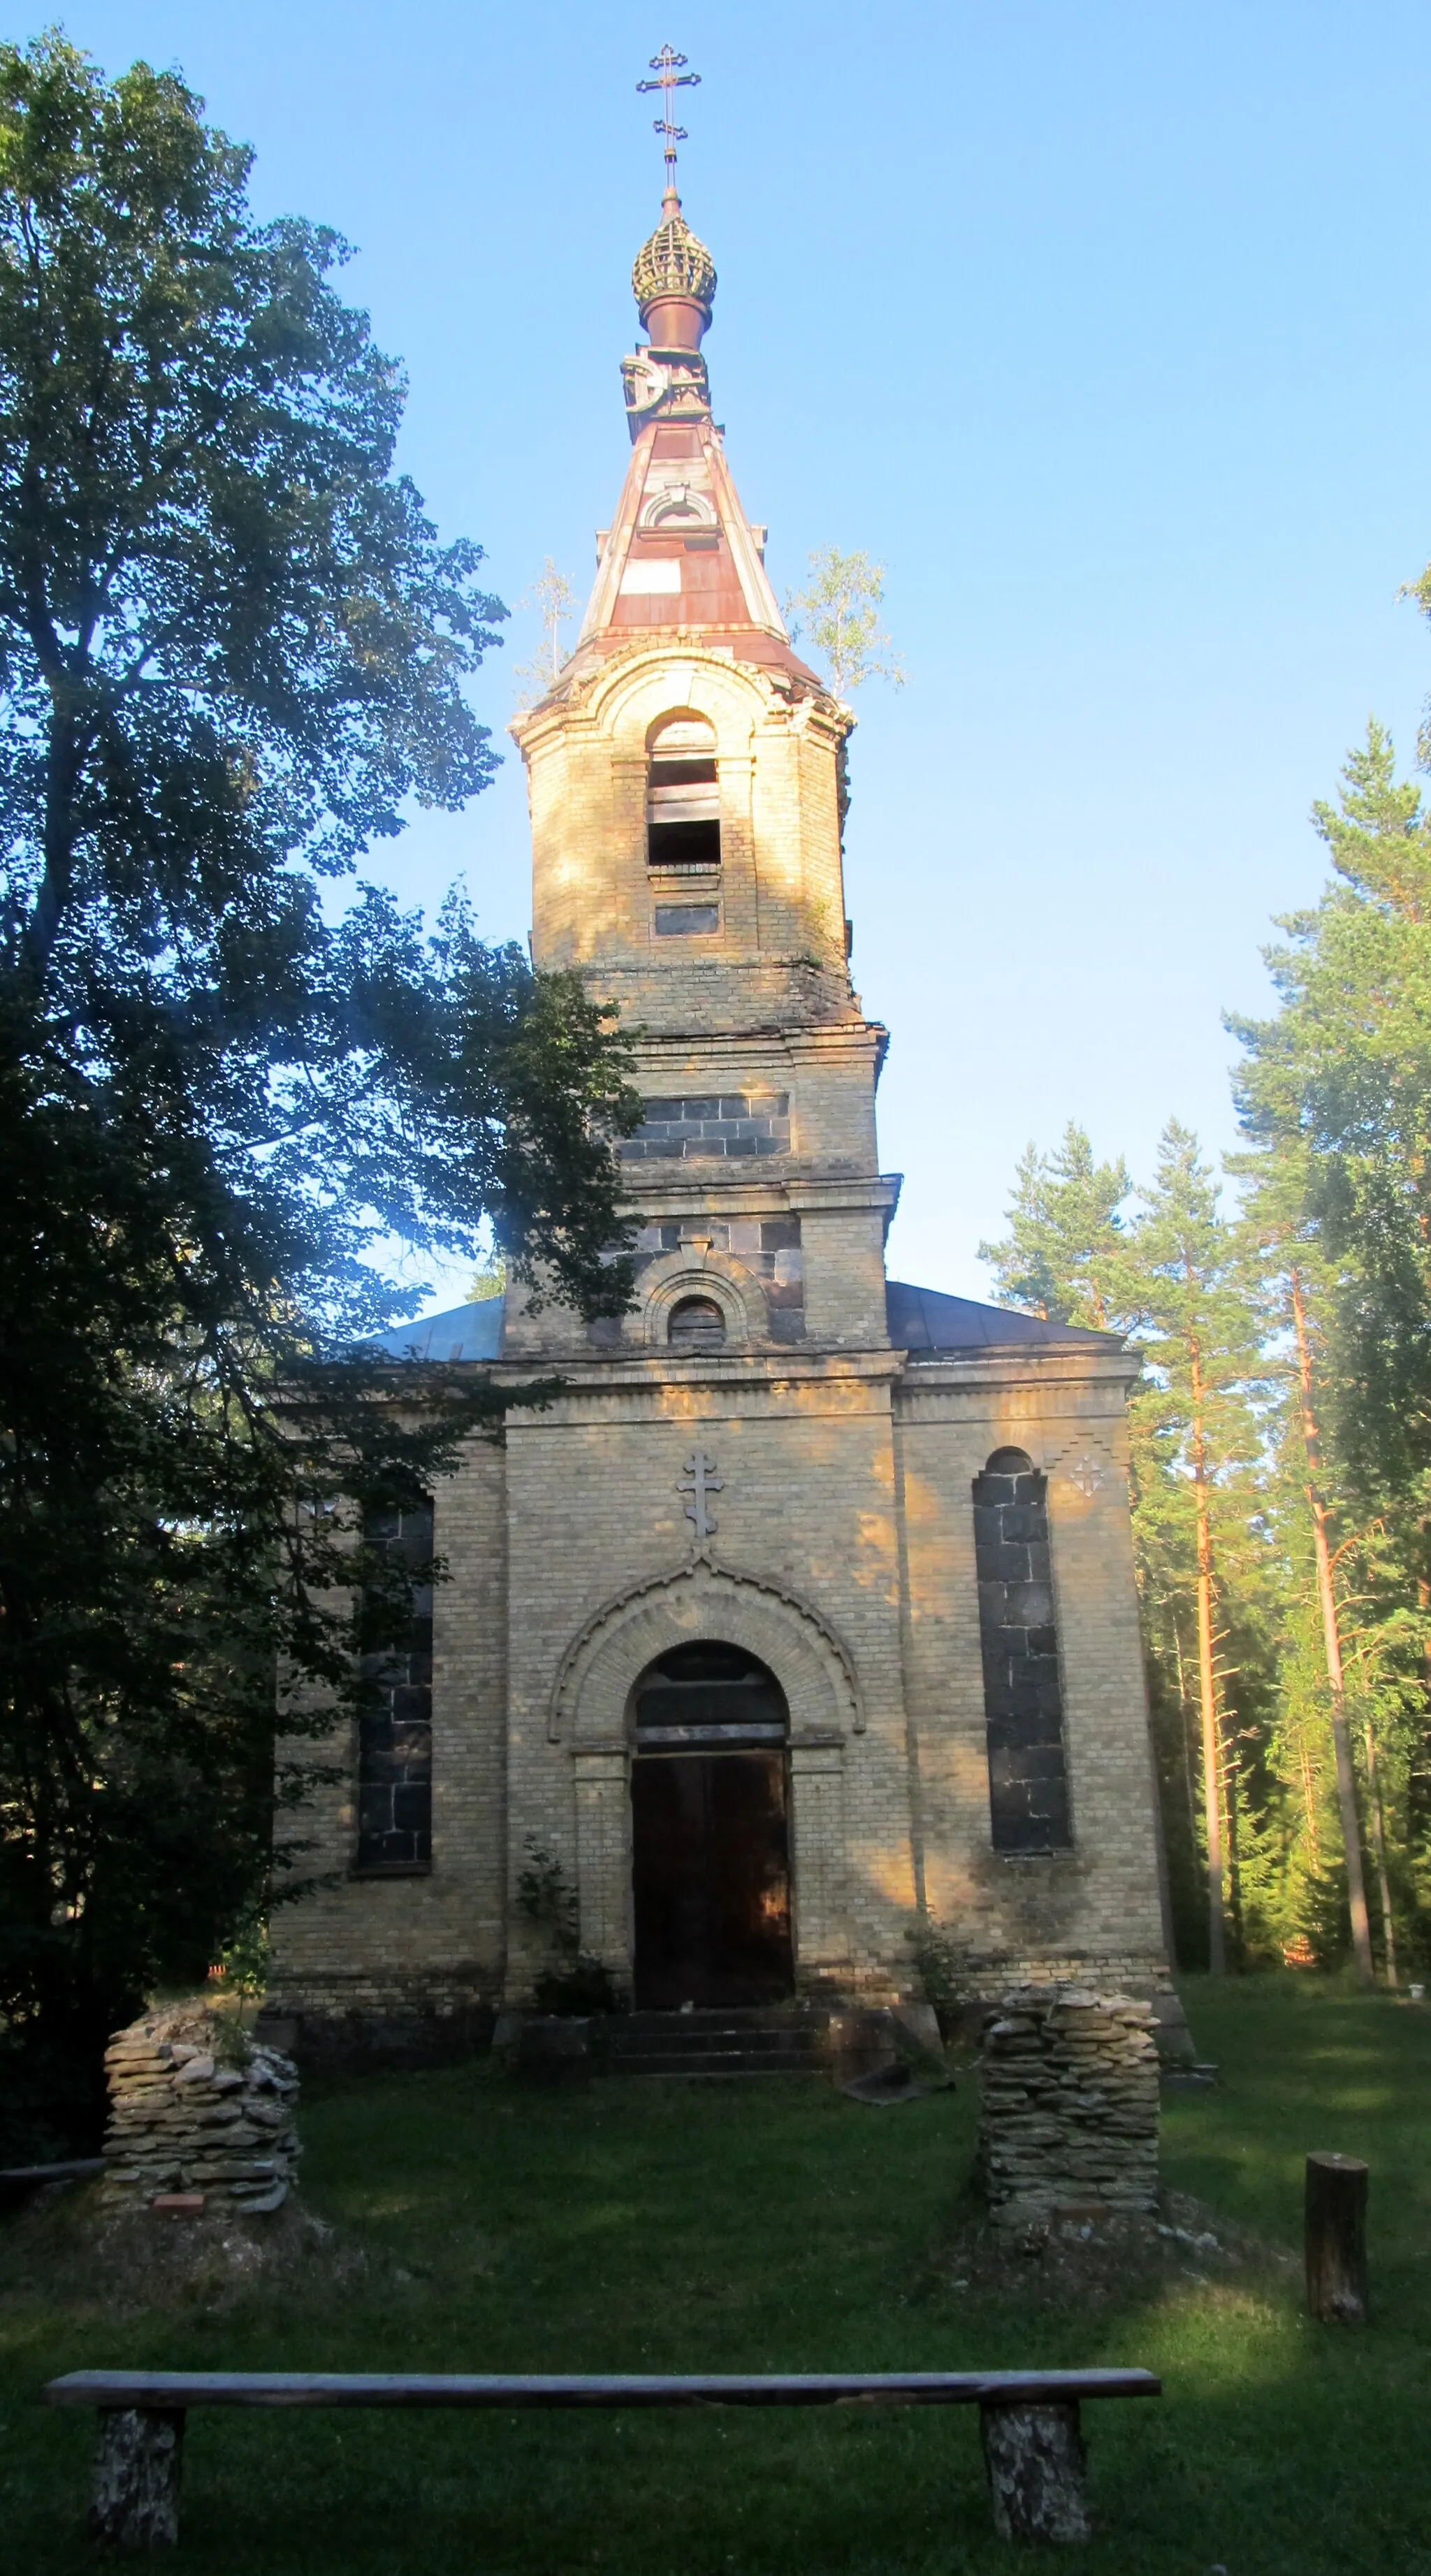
(1029, 2419)
(18, 2182)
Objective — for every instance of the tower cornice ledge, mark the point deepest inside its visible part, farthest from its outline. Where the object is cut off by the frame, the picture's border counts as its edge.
(663, 1373)
(847, 1035)
(930, 1373)
(816, 1187)
(593, 688)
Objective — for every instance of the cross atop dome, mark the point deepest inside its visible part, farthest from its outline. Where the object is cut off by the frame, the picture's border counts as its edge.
(680, 557)
(674, 278)
(671, 75)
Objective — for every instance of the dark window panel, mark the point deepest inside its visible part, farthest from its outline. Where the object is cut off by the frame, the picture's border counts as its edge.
(1023, 1706)
(395, 1726)
(687, 920)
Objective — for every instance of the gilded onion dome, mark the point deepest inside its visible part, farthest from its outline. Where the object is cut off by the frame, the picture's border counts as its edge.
(673, 263)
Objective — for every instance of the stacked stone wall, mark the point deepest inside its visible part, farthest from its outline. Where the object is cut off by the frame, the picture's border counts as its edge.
(196, 2107)
(1068, 2104)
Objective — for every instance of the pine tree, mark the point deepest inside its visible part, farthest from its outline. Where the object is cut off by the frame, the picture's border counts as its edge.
(1294, 1284)
(1064, 1254)
(1196, 1439)
(1335, 1099)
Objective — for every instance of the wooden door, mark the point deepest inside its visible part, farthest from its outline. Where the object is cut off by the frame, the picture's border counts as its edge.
(711, 1878)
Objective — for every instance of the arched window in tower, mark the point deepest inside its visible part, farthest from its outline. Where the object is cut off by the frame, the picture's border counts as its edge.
(697, 1324)
(683, 798)
(1023, 1701)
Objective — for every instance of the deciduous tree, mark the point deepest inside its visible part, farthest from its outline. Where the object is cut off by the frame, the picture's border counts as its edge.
(838, 611)
(232, 650)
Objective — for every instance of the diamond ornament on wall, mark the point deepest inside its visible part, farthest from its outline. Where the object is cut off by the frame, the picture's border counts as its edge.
(1086, 1471)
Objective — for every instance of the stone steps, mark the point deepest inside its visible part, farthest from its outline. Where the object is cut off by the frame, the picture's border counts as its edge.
(773, 2041)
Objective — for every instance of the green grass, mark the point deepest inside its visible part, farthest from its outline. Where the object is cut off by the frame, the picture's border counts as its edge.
(778, 2226)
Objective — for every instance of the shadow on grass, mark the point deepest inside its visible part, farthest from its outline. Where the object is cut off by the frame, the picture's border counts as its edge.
(779, 2226)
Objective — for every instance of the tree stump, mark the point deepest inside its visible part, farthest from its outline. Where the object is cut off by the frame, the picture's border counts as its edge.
(1336, 2239)
(1036, 2463)
(136, 2478)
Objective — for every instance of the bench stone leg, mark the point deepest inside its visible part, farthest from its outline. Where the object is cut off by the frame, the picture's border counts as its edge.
(136, 2478)
(1036, 2461)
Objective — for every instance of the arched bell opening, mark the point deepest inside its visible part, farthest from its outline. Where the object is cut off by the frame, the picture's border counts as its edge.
(710, 1801)
(683, 797)
(696, 1324)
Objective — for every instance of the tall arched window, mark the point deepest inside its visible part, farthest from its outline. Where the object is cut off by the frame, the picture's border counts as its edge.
(683, 797)
(395, 1716)
(1023, 1702)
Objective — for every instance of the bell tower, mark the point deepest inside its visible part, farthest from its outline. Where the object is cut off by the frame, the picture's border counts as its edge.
(686, 781)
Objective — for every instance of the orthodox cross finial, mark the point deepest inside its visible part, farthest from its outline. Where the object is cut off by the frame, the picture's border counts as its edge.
(671, 75)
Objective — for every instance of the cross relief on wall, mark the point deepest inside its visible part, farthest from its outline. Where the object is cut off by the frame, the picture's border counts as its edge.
(700, 1481)
(1086, 1471)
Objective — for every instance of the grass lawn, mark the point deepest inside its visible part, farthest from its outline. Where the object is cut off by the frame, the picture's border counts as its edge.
(775, 2225)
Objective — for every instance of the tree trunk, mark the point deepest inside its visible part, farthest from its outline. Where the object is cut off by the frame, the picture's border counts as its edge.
(1207, 1687)
(1378, 1845)
(136, 2478)
(1309, 1801)
(1036, 2462)
(1336, 2239)
(1332, 1647)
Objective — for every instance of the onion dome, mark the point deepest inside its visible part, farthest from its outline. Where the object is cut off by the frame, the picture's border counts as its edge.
(674, 280)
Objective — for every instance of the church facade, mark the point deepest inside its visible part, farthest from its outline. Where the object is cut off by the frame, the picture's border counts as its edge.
(800, 1630)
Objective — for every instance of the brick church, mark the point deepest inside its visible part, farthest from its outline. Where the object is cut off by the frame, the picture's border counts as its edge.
(802, 1624)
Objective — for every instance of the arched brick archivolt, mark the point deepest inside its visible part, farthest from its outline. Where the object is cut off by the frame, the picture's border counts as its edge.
(589, 1712)
(633, 697)
(734, 1288)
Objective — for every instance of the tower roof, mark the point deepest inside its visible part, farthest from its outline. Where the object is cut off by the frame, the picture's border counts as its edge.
(680, 560)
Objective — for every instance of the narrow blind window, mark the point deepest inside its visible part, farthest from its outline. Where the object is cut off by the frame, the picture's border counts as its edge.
(395, 1719)
(1023, 1701)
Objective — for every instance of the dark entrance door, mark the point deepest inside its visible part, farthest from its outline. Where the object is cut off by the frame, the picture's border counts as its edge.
(711, 1865)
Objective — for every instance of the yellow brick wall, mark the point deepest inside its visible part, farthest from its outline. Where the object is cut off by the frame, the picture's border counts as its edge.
(844, 1553)
(1102, 1898)
(781, 885)
(375, 1945)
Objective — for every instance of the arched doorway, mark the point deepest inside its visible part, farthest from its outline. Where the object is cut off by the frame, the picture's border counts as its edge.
(710, 1836)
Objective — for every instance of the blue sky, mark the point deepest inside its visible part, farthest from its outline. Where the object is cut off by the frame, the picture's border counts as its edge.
(1102, 326)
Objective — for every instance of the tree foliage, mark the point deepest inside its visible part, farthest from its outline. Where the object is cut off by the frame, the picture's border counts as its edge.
(839, 611)
(1065, 1254)
(1295, 1328)
(233, 649)
(554, 601)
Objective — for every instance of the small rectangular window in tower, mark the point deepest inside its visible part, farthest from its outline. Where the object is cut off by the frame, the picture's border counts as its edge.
(687, 920)
(395, 1718)
(683, 798)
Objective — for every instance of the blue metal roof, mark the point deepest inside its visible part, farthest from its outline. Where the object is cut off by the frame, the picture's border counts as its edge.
(925, 1319)
(920, 1319)
(463, 1333)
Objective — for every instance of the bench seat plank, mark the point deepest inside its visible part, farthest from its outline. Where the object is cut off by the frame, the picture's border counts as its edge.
(161, 2390)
